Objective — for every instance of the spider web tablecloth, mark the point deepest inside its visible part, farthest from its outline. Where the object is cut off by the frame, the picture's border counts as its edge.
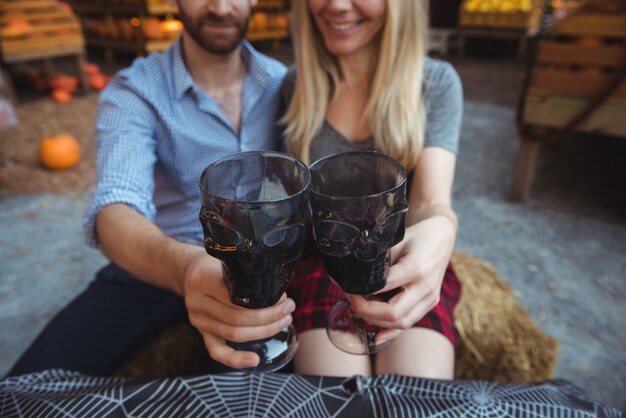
(58, 393)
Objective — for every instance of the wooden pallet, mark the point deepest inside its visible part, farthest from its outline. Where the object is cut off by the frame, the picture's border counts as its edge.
(45, 30)
(579, 67)
(270, 32)
(554, 111)
(266, 35)
(515, 25)
(102, 18)
(509, 20)
(593, 24)
(149, 7)
(577, 82)
(106, 25)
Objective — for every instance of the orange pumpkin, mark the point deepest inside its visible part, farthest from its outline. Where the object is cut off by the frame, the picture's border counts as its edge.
(64, 82)
(151, 28)
(171, 27)
(16, 28)
(59, 152)
(281, 22)
(91, 68)
(259, 21)
(61, 96)
(98, 81)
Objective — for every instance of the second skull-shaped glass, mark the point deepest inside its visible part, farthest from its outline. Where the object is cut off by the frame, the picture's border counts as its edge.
(358, 202)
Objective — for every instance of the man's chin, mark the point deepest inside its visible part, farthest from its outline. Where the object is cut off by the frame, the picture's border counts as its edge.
(220, 42)
(216, 47)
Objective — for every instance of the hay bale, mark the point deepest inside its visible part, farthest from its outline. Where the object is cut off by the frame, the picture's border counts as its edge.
(500, 341)
(178, 352)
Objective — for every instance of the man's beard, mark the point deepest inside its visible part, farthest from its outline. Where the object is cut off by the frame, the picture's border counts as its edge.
(222, 44)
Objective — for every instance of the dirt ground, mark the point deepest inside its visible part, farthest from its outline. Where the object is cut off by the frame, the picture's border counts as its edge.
(39, 117)
(20, 170)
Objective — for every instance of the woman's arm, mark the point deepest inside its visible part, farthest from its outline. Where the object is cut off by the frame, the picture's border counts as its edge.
(420, 260)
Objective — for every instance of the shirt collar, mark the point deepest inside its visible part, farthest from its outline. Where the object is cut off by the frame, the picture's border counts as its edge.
(184, 82)
(252, 58)
(182, 78)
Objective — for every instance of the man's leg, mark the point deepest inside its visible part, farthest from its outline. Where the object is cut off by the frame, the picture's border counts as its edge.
(104, 327)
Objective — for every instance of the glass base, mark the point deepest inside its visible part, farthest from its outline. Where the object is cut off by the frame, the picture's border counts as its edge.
(350, 333)
(275, 352)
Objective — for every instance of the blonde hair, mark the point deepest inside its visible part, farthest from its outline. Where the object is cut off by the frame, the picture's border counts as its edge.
(395, 107)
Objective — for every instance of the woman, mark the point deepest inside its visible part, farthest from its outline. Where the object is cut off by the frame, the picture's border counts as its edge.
(363, 82)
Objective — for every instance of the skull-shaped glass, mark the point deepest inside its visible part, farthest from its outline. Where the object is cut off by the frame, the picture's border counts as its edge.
(359, 205)
(254, 207)
(358, 202)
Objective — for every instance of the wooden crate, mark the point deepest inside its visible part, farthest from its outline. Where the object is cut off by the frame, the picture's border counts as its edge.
(547, 82)
(31, 29)
(514, 19)
(554, 111)
(275, 25)
(609, 25)
(118, 26)
(577, 67)
(150, 7)
(102, 23)
(573, 52)
(580, 58)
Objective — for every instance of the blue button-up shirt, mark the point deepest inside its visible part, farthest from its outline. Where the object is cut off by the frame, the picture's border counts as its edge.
(157, 130)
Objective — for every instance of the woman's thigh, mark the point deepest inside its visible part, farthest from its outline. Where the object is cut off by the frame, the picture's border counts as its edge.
(318, 356)
(418, 352)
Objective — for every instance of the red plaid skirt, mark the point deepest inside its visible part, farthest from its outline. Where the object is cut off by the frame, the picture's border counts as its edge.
(315, 294)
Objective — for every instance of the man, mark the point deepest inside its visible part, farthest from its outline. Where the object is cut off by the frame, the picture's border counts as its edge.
(159, 123)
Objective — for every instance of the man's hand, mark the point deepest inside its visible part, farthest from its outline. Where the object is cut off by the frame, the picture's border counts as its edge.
(212, 313)
(140, 247)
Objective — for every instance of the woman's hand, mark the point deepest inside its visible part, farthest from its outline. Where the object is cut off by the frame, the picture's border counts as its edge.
(418, 264)
(218, 319)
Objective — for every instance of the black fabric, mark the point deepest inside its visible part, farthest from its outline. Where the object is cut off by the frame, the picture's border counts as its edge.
(57, 393)
(104, 326)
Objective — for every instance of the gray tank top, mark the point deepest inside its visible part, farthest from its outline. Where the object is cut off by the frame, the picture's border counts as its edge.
(443, 99)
